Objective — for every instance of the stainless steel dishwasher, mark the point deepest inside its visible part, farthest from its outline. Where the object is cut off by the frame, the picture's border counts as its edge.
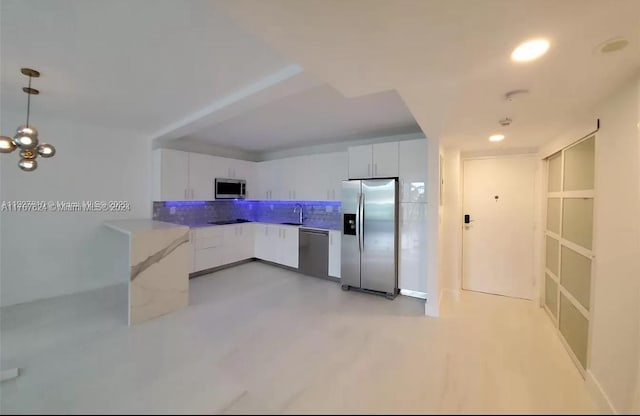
(313, 251)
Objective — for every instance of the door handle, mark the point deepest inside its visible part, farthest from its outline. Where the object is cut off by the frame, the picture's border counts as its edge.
(362, 222)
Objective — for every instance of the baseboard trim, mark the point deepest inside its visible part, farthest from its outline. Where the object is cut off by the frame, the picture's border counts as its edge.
(598, 394)
(413, 293)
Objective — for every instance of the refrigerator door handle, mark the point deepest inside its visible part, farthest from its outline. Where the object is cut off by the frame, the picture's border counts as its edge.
(362, 221)
(358, 221)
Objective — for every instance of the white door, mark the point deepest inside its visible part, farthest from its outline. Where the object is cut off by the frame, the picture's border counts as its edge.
(498, 241)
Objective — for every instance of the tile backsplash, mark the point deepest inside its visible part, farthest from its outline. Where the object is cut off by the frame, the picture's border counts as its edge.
(320, 214)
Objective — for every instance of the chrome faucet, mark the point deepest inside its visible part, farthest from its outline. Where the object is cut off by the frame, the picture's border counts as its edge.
(300, 218)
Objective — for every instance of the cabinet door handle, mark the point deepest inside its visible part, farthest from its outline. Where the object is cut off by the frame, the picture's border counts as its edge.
(185, 193)
(191, 193)
(331, 239)
(294, 194)
(284, 233)
(368, 169)
(376, 168)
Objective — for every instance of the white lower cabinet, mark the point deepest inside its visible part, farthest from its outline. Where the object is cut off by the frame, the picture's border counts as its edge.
(413, 247)
(277, 244)
(238, 242)
(208, 248)
(335, 241)
(288, 246)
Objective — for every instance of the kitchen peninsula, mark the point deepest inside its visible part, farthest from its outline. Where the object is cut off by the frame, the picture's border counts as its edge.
(158, 267)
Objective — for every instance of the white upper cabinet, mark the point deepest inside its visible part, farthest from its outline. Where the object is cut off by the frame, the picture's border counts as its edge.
(373, 161)
(385, 160)
(201, 176)
(413, 170)
(170, 175)
(268, 180)
(360, 159)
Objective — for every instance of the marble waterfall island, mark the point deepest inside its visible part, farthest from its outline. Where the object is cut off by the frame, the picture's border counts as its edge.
(158, 267)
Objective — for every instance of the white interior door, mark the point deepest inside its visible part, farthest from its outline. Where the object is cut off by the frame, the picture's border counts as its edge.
(498, 242)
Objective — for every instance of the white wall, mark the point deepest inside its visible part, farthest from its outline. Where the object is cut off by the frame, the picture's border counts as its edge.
(614, 355)
(451, 249)
(615, 343)
(49, 254)
(432, 306)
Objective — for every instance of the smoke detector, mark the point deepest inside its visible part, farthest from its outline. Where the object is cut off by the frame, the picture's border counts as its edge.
(505, 121)
(511, 95)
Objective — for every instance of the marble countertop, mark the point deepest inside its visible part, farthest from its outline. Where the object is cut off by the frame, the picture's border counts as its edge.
(140, 225)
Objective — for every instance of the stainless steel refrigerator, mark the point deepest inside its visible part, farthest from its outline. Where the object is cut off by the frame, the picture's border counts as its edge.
(370, 235)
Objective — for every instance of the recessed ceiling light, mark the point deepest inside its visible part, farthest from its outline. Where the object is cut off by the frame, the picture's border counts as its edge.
(530, 50)
(613, 45)
(496, 138)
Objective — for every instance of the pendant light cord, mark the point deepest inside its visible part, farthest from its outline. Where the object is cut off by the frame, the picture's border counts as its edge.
(28, 100)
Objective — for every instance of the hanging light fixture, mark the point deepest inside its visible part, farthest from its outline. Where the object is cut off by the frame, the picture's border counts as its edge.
(26, 138)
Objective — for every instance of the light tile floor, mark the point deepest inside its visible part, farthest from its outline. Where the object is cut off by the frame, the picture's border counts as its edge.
(257, 338)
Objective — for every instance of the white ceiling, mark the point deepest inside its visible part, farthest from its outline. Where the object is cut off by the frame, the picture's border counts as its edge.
(449, 60)
(317, 115)
(234, 71)
(139, 64)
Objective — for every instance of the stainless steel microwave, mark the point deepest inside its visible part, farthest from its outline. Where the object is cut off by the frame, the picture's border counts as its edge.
(230, 188)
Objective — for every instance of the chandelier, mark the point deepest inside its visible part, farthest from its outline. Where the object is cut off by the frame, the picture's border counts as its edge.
(26, 138)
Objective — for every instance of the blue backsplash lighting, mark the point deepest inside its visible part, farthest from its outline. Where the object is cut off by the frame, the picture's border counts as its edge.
(320, 214)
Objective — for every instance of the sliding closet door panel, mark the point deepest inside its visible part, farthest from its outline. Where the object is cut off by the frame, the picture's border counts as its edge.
(574, 327)
(555, 173)
(552, 255)
(576, 275)
(553, 215)
(579, 166)
(577, 221)
(551, 295)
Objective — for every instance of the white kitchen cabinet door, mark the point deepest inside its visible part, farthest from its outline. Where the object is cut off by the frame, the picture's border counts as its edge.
(339, 171)
(208, 247)
(335, 241)
(267, 240)
(170, 175)
(385, 160)
(232, 243)
(413, 170)
(208, 258)
(360, 160)
(246, 243)
(269, 173)
(201, 177)
(413, 247)
(288, 246)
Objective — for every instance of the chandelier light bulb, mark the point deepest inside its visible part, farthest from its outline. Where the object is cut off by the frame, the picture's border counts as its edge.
(6, 144)
(28, 165)
(24, 141)
(27, 131)
(46, 150)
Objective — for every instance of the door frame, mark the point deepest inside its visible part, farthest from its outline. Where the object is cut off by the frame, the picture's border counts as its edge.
(538, 212)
